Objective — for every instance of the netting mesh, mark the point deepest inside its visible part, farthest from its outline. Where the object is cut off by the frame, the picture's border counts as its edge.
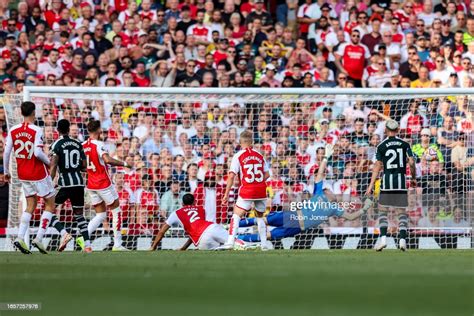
(190, 138)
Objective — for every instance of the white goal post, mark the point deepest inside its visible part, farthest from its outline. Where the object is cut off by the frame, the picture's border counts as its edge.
(290, 125)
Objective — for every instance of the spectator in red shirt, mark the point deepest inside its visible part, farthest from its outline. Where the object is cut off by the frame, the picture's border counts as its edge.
(53, 15)
(139, 76)
(351, 58)
(221, 52)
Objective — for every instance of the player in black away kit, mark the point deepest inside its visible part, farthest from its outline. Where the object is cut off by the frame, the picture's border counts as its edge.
(69, 158)
(392, 156)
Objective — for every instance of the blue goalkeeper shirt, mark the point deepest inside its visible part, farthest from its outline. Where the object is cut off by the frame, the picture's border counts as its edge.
(313, 212)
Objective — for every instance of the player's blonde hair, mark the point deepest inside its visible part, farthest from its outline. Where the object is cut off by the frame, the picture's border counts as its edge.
(246, 137)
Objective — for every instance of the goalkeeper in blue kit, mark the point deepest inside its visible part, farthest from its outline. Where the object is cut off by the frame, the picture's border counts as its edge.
(313, 213)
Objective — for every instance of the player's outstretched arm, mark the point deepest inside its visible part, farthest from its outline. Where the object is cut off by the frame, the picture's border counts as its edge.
(159, 237)
(322, 167)
(114, 162)
(186, 244)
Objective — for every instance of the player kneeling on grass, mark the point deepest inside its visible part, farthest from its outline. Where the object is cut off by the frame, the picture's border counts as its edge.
(291, 223)
(203, 234)
(101, 189)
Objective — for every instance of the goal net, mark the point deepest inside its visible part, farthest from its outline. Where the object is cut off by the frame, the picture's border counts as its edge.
(182, 140)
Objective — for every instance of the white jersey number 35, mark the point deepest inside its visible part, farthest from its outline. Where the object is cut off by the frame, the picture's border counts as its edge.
(253, 173)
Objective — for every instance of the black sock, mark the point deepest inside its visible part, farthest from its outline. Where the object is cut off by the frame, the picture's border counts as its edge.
(82, 225)
(402, 225)
(383, 223)
(56, 223)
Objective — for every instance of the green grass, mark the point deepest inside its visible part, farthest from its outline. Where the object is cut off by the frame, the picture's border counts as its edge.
(292, 283)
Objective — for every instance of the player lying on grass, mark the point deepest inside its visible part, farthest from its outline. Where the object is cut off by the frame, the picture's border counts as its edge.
(203, 234)
(291, 223)
(25, 140)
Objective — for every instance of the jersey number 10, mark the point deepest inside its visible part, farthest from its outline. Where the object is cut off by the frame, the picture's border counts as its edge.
(71, 158)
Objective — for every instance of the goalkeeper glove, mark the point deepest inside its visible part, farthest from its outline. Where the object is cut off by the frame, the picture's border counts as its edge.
(328, 151)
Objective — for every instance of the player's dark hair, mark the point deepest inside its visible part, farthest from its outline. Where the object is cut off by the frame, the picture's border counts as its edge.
(93, 126)
(63, 126)
(27, 108)
(188, 199)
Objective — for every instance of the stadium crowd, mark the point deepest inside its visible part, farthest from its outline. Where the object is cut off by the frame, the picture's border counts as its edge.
(185, 147)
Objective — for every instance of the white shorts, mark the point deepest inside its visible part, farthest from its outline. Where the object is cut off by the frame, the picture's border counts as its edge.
(214, 236)
(260, 205)
(43, 188)
(108, 195)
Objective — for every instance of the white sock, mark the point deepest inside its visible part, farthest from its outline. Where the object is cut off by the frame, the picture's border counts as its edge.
(95, 222)
(44, 224)
(383, 239)
(24, 224)
(117, 226)
(262, 231)
(233, 228)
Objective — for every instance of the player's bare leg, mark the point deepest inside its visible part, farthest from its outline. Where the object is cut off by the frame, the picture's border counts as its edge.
(117, 225)
(45, 221)
(383, 225)
(19, 242)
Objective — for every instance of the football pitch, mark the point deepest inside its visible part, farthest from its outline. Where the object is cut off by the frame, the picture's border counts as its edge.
(339, 282)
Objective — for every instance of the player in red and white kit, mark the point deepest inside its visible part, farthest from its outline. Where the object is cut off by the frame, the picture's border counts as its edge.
(26, 141)
(250, 166)
(203, 234)
(101, 189)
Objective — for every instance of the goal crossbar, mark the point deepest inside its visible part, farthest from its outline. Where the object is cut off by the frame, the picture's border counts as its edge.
(251, 95)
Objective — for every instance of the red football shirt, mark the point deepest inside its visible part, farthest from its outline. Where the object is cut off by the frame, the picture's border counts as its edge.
(251, 167)
(98, 177)
(353, 59)
(192, 218)
(23, 139)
